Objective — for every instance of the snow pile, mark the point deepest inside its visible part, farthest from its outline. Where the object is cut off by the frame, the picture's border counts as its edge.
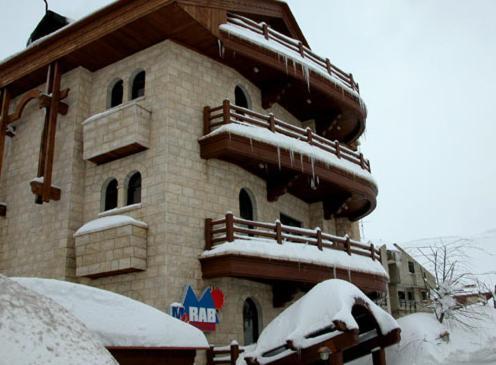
(35, 330)
(329, 301)
(118, 320)
(297, 252)
(101, 224)
(287, 53)
(479, 253)
(294, 146)
(422, 343)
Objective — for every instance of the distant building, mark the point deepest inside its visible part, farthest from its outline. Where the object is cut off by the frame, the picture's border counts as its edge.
(409, 283)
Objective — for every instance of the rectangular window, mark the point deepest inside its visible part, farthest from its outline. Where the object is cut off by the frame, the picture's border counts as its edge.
(289, 221)
(410, 295)
(424, 295)
(411, 267)
(401, 295)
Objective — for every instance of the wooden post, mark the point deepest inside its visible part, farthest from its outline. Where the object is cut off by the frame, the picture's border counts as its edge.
(352, 82)
(210, 356)
(226, 111)
(278, 232)
(229, 227)
(319, 238)
(372, 251)
(347, 245)
(362, 161)
(379, 357)
(265, 28)
(208, 234)
(234, 353)
(206, 120)
(301, 49)
(272, 122)
(328, 66)
(336, 358)
(309, 136)
(338, 148)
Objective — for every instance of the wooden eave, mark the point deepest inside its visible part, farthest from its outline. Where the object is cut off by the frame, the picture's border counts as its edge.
(270, 270)
(123, 28)
(267, 162)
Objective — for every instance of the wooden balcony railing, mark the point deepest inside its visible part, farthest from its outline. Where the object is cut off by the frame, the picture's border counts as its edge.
(229, 113)
(224, 354)
(230, 228)
(296, 46)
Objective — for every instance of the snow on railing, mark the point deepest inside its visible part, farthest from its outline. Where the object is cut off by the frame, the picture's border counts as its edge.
(230, 228)
(229, 113)
(294, 45)
(224, 354)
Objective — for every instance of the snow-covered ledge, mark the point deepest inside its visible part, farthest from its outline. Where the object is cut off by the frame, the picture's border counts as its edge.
(111, 245)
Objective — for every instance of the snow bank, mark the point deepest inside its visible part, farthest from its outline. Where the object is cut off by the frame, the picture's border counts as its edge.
(329, 301)
(292, 144)
(297, 252)
(421, 343)
(104, 223)
(287, 53)
(35, 330)
(116, 319)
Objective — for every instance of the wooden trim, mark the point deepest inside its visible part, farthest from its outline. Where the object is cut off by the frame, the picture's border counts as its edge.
(269, 269)
(118, 153)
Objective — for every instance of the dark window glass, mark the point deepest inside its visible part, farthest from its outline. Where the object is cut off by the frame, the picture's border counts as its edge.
(240, 98)
(424, 295)
(117, 94)
(411, 267)
(245, 205)
(134, 189)
(138, 87)
(288, 221)
(250, 322)
(111, 195)
(410, 295)
(401, 295)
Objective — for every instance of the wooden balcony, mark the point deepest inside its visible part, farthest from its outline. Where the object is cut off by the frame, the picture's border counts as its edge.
(309, 86)
(272, 252)
(291, 159)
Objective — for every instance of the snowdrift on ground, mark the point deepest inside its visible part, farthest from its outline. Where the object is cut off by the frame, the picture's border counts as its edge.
(35, 330)
(116, 319)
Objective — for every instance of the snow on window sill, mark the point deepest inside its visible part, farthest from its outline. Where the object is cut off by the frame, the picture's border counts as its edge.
(125, 209)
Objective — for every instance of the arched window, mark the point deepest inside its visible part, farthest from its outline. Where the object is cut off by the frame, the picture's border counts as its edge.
(246, 206)
(138, 85)
(251, 324)
(134, 189)
(240, 97)
(116, 93)
(110, 195)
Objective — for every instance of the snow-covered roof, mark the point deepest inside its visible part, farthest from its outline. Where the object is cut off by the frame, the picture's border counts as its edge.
(327, 302)
(35, 330)
(294, 145)
(297, 252)
(114, 221)
(118, 320)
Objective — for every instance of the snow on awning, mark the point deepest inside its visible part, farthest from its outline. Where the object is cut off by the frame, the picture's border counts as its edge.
(303, 324)
(310, 254)
(294, 145)
(119, 321)
(36, 330)
(104, 223)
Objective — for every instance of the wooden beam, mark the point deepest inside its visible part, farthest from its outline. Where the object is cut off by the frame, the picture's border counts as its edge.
(379, 357)
(336, 358)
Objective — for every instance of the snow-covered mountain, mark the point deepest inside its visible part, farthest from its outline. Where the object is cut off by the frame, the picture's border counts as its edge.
(478, 255)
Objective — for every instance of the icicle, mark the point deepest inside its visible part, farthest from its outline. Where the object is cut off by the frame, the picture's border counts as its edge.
(318, 180)
(306, 74)
(251, 144)
(291, 156)
(294, 66)
(312, 184)
(286, 63)
(334, 271)
(279, 157)
(301, 160)
(312, 163)
(221, 48)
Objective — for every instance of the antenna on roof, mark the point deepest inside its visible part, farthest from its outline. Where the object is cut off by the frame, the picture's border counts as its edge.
(46, 6)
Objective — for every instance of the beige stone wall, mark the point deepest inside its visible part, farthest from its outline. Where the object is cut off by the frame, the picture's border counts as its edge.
(179, 189)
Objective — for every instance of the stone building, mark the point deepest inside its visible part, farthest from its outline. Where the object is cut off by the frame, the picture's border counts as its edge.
(185, 143)
(409, 283)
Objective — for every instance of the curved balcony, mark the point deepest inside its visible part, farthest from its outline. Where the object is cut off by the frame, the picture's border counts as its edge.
(290, 159)
(272, 252)
(288, 71)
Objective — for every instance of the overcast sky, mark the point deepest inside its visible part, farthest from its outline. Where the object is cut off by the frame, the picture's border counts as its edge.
(426, 70)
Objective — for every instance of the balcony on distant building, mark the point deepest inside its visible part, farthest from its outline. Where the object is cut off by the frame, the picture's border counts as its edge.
(273, 252)
(291, 159)
(116, 133)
